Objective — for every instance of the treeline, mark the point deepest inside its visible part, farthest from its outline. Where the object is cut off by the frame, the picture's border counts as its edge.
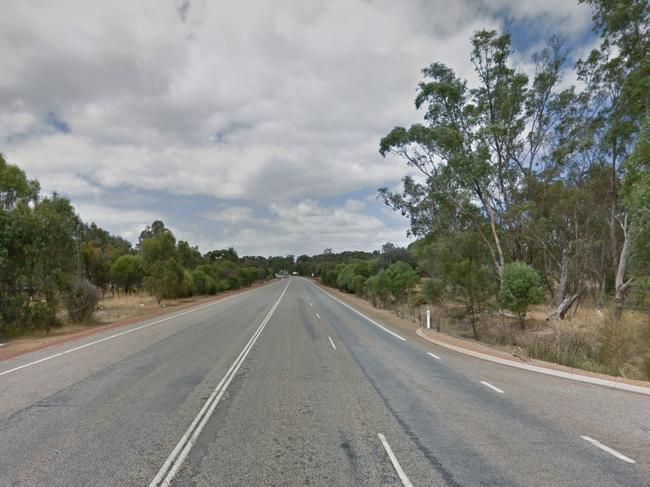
(387, 278)
(529, 192)
(520, 169)
(52, 263)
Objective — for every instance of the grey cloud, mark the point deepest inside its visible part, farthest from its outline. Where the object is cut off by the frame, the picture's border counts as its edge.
(269, 102)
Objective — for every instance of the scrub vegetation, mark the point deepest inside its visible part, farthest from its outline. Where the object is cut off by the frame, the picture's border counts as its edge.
(55, 269)
(528, 191)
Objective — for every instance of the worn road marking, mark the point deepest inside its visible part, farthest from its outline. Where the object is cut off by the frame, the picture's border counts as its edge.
(398, 468)
(433, 355)
(609, 450)
(310, 304)
(175, 459)
(494, 388)
(317, 316)
(146, 325)
(332, 343)
(361, 314)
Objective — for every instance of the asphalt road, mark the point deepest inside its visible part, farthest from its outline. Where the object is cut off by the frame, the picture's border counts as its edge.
(284, 385)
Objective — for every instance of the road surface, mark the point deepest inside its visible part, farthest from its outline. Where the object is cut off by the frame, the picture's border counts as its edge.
(284, 385)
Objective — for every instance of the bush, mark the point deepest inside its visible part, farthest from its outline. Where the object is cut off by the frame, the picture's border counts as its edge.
(203, 284)
(521, 286)
(167, 280)
(127, 272)
(81, 299)
(432, 290)
(358, 284)
(399, 278)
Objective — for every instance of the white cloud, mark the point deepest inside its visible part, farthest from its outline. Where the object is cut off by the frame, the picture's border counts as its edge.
(267, 102)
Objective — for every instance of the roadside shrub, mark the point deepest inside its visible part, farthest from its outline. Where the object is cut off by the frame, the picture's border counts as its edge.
(187, 285)
(358, 284)
(127, 272)
(521, 286)
(400, 279)
(432, 290)
(166, 280)
(203, 284)
(223, 285)
(81, 299)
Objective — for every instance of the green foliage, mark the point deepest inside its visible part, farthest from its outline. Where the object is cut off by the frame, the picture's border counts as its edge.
(636, 193)
(347, 274)
(81, 298)
(520, 287)
(127, 272)
(432, 290)
(167, 280)
(392, 285)
(158, 245)
(15, 188)
(189, 257)
(203, 283)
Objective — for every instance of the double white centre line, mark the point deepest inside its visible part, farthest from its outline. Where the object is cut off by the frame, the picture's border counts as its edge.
(175, 459)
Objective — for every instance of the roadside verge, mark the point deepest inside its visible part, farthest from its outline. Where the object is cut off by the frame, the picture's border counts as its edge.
(484, 352)
(23, 345)
(547, 368)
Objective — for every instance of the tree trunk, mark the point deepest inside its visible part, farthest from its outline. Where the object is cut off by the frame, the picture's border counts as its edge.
(562, 308)
(564, 276)
(622, 286)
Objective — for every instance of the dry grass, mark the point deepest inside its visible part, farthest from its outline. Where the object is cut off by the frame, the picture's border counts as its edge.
(587, 339)
(113, 308)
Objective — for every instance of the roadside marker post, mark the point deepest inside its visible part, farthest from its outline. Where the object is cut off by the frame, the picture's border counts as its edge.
(428, 319)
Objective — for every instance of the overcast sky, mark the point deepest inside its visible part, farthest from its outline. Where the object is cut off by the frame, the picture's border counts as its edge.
(252, 124)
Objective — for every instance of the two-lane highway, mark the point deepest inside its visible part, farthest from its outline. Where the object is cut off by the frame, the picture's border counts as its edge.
(285, 385)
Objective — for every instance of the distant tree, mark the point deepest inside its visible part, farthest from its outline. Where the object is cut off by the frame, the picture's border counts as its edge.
(127, 272)
(229, 254)
(167, 280)
(15, 187)
(157, 245)
(56, 250)
(156, 229)
(520, 287)
(398, 280)
(203, 283)
(188, 257)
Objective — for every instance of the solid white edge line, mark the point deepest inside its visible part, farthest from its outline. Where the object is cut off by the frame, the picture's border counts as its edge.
(131, 330)
(433, 355)
(540, 370)
(494, 388)
(398, 468)
(608, 449)
(361, 314)
(332, 343)
(175, 459)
